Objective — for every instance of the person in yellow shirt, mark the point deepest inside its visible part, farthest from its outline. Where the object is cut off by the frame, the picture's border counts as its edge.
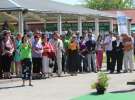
(72, 56)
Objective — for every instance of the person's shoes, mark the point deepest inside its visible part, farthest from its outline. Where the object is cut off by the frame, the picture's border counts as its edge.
(125, 71)
(23, 85)
(59, 75)
(118, 72)
(111, 72)
(30, 85)
(130, 71)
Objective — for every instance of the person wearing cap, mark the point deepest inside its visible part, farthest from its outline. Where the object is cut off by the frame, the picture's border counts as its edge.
(58, 46)
(117, 52)
(37, 50)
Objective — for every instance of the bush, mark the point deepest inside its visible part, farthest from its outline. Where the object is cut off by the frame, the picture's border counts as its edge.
(102, 81)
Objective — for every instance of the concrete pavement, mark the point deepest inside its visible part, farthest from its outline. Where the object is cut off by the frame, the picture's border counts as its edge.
(62, 88)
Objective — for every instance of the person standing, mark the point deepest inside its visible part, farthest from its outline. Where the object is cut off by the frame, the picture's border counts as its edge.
(108, 48)
(7, 54)
(83, 53)
(128, 53)
(26, 59)
(48, 56)
(117, 52)
(91, 48)
(73, 49)
(99, 53)
(58, 46)
(17, 59)
(1, 71)
(37, 50)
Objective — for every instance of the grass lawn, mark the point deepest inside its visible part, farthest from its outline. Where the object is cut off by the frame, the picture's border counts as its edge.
(108, 96)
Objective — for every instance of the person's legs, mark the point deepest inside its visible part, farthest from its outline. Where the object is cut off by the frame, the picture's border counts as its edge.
(100, 59)
(6, 66)
(97, 60)
(18, 68)
(125, 61)
(119, 62)
(34, 60)
(109, 59)
(114, 59)
(23, 84)
(23, 72)
(59, 63)
(29, 70)
(89, 62)
(94, 62)
(130, 56)
(1, 72)
(45, 65)
(79, 63)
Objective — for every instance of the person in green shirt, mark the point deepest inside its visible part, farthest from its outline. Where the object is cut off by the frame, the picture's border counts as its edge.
(26, 56)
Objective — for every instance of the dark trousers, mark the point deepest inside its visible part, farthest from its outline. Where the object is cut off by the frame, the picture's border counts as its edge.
(79, 61)
(6, 63)
(37, 65)
(109, 59)
(0, 71)
(73, 62)
(117, 58)
(26, 69)
(1, 66)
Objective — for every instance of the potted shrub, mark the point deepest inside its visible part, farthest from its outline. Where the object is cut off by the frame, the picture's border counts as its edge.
(101, 84)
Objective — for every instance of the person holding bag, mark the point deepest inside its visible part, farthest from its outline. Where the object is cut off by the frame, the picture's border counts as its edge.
(48, 57)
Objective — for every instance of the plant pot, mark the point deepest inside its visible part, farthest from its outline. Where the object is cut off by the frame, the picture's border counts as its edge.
(100, 90)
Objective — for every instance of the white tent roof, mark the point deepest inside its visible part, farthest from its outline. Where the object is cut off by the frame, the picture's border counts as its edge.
(49, 6)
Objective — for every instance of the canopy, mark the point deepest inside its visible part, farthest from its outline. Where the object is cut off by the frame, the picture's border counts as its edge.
(48, 6)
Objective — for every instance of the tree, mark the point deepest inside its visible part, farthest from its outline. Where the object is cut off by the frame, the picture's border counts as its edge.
(108, 4)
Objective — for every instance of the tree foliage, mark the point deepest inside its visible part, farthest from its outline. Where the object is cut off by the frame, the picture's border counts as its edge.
(109, 4)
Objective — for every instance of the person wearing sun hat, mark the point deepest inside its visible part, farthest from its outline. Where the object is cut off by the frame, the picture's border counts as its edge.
(7, 53)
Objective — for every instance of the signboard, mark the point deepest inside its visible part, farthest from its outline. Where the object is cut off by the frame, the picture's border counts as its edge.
(122, 23)
(103, 26)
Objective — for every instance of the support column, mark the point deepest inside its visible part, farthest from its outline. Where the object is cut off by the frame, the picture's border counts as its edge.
(44, 25)
(80, 25)
(20, 22)
(111, 25)
(129, 27)
(59, 24)
(96, 27)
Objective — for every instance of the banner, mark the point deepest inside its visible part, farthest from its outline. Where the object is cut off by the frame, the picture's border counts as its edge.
(122, 23)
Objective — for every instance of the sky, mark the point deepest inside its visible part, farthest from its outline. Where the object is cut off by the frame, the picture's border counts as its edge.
(73, 2)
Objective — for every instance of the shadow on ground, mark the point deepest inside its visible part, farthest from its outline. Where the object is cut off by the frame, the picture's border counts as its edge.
(124, 91)
(10, 87)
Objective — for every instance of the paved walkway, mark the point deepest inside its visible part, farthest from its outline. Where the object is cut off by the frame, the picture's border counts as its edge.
(61, 88)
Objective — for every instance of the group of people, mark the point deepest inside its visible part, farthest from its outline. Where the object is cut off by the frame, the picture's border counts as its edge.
(40, 56)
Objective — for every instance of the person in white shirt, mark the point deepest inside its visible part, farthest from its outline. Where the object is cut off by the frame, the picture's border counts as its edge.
(58, 45)
(108, 48)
